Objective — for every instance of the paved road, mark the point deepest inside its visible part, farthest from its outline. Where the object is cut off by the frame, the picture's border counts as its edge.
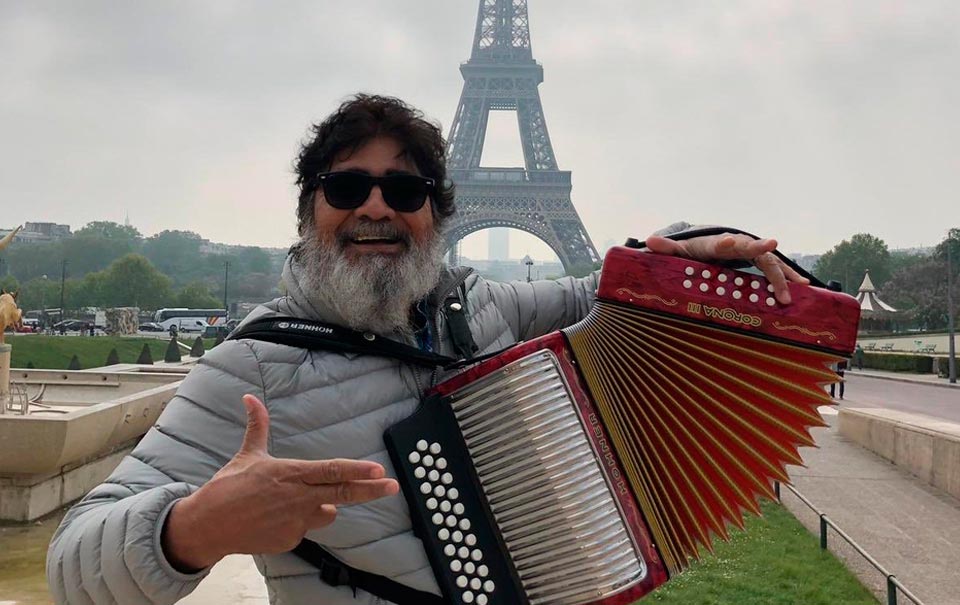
(863, 392)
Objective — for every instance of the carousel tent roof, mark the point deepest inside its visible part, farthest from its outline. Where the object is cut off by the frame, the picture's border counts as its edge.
(870, 304)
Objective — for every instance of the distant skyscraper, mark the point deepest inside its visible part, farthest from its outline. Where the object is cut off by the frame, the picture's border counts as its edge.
(499, 244)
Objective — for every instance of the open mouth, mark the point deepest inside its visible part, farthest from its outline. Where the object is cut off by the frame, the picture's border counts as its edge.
(368, 240)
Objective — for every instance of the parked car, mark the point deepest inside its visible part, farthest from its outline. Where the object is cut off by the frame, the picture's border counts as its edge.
(214, 331)
(151, 327)
(69, 325)
(29, 326)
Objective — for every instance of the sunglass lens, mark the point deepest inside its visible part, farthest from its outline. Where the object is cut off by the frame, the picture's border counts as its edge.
(346, 190)
(405, 193)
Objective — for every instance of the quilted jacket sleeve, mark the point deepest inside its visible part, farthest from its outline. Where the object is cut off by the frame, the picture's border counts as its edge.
(107, 548)
(537, 308)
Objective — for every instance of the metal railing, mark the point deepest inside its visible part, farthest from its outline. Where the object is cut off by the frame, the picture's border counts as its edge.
(894, 586)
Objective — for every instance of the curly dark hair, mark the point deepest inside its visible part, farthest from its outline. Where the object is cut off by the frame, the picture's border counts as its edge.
(357, 121)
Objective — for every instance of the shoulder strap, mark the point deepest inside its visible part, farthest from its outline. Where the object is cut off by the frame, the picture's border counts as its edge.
(455, 310)
(316, 335)
(335, 572)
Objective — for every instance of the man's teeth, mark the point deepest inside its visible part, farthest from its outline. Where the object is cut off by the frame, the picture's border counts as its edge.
(370, 239)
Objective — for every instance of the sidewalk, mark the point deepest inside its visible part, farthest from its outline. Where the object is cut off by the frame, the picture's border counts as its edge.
(911, 528)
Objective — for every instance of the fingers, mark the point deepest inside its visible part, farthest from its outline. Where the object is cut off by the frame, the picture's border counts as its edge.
(662, 245)
(771, 267)
(258, 426)
(336, 470)
(355, 492)
(324, 516)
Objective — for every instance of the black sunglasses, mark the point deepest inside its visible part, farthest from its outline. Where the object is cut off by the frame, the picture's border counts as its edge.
(349, 190)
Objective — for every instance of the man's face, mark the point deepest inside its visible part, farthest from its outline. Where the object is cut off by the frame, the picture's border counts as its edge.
(380, 157)
(370, 265)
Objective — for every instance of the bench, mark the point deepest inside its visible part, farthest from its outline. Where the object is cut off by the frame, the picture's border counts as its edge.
(870, 346)
(887, 347)
(928, 349)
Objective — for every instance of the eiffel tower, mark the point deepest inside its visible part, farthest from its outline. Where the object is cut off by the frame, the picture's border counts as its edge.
(502, 75)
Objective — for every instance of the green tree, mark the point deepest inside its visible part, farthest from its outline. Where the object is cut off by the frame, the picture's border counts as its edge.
(132, 281)
(175, 253)
(110, 230)
(196, 295)
(848, 261)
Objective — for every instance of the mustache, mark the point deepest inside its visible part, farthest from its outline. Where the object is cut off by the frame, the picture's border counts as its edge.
(372, 229)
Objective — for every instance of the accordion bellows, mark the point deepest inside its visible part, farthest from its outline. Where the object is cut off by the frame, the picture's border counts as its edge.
(588, 466)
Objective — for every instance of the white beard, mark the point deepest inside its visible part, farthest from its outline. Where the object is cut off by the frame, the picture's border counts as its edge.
(370, 292)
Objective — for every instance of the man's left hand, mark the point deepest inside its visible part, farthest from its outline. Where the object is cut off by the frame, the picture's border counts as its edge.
(729, 246)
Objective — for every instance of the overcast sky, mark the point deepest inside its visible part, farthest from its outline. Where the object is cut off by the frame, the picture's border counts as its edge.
(807, 120)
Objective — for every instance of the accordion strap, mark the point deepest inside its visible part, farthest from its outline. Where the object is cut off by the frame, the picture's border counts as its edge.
(692, 233)
(335, 572)
(317, 335)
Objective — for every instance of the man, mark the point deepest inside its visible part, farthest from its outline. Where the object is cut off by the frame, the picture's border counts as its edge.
(308, 458)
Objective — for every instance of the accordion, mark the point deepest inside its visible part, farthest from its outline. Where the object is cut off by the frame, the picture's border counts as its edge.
(590, 465)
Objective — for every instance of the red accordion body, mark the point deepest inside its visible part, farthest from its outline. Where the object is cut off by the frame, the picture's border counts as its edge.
(594, 462)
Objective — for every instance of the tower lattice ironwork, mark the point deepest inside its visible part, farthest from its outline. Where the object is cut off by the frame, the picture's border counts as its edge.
(502, 75)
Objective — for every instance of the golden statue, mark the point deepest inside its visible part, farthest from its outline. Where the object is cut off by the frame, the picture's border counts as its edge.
(10, 315)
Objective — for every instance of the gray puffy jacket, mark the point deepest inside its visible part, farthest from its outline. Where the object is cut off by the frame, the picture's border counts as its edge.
(322, 405)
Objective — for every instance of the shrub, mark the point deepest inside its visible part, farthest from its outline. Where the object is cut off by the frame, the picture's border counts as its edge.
(898, 362)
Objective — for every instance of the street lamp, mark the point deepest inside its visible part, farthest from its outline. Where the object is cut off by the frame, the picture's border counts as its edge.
(952, 359)
(43, 303)
(226, 276)
(529, 263)
(63, 281)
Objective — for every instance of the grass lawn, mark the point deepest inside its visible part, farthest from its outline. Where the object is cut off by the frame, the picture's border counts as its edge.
(54, 352)
(775, 562)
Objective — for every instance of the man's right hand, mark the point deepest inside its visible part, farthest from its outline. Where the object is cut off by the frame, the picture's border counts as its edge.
(258, 504)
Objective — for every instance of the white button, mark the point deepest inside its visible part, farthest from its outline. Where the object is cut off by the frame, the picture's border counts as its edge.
(441, 463)
(451, 521)
(437, 518)
(422, 445)
(469, 567)
(458, 508)
(687, 283)
(465, 524)
(688, 270)
(463, 552)
(447, 478)
(453, 494)
(488, 585)
(458, 536)
(754, 298)
(462, 581)
(439, 491)
(434, 448)
(445, 506)
(434, 475)
(738, 281)
(468, 597)
(722, 277)
(443, 534)
(449, 550)
(754, 284)
(481, 599)
(456, 565)
(476, 583)
(704, 287)
(419, 472)
(721, 291)
(770, 301)
(432, 504)
(414, 457)
(705, 274)
(769, 287)
(425, 488)
(737, 294)
(483, 571)
(471, 539)
(476, 555)
(428, 460)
